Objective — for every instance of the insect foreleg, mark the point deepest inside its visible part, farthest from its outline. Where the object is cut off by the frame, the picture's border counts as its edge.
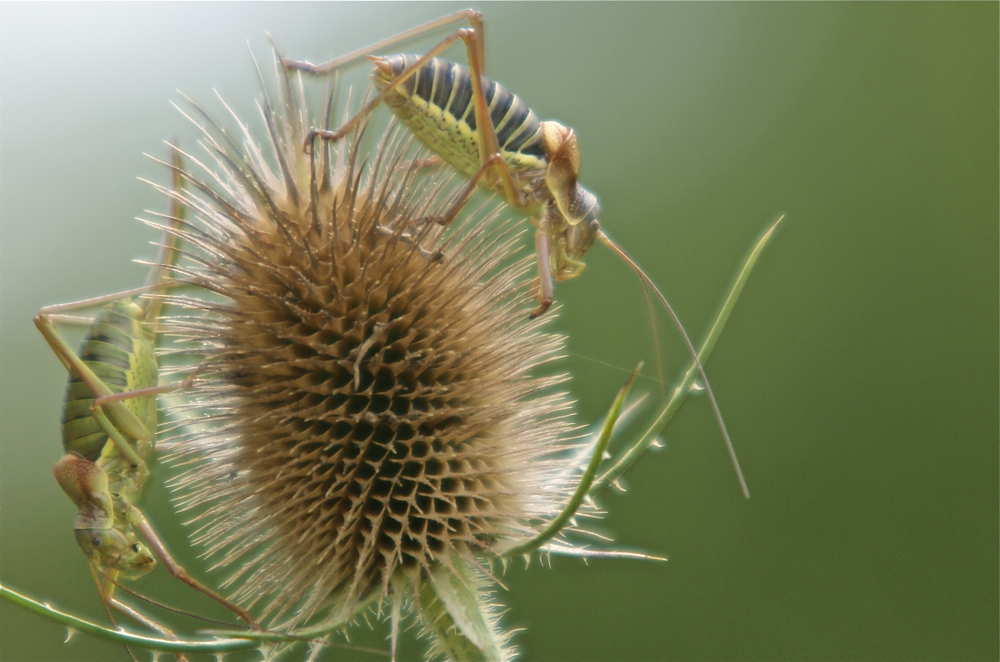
(110, 601)
(544, 271)
(178, 571)
(139, 617)
(575, 268)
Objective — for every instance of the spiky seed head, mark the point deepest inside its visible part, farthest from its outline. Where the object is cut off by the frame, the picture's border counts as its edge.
(369, 407)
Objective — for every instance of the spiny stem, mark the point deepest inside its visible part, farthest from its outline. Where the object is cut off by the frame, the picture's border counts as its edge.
(222, 642)
(123, 636)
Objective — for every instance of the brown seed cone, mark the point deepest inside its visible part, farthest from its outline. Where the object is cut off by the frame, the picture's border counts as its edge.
(365, 390)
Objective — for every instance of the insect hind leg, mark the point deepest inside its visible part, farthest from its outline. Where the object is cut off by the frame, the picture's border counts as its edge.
(473, 39)
(349, 125)
(328, 67)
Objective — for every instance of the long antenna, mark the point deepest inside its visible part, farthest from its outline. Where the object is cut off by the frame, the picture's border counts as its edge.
(687, 341)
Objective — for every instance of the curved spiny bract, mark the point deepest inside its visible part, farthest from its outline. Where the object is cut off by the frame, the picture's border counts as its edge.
(367, 386)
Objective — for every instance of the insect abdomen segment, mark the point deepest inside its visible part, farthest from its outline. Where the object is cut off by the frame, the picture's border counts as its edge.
(436, 104)
(119, 352)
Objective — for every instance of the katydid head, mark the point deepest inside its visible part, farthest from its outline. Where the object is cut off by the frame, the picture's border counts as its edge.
(571, 239)
(572, 212)
(106, 543)
(116, 549)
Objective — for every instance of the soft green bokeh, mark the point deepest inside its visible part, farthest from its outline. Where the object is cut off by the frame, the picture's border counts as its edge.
(858, 374)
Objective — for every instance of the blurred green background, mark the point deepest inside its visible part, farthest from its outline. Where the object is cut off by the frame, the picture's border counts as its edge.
(858, 375)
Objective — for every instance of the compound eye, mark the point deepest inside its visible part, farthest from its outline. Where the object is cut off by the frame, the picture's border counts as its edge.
(136, 548)
(96, 541)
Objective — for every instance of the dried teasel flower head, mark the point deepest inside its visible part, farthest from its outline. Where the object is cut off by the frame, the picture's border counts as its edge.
(370, 416)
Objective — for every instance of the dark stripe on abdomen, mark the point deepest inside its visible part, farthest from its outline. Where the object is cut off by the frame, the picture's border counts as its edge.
(502, 101)
(463, 92)
(518, 116)
(425, 81)
(445, 83)
(449, 87)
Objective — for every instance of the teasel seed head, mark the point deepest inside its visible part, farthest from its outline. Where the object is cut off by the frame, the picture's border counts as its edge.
(369, 416)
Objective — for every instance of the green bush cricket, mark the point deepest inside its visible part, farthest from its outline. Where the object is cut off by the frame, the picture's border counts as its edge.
(109, 427)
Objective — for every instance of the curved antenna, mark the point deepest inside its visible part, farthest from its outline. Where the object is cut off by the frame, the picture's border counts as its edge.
(694, 354)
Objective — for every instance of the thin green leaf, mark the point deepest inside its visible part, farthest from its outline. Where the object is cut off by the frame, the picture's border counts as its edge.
(586, 480)
(691, 374)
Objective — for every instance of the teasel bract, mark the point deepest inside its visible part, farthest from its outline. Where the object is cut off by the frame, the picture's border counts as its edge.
(367, 427)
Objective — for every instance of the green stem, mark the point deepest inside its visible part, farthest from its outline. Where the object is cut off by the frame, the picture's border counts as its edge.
(691, 374)
(122, 636)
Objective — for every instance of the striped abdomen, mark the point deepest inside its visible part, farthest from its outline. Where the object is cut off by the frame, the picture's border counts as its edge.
(121, 354)
(436, 104)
